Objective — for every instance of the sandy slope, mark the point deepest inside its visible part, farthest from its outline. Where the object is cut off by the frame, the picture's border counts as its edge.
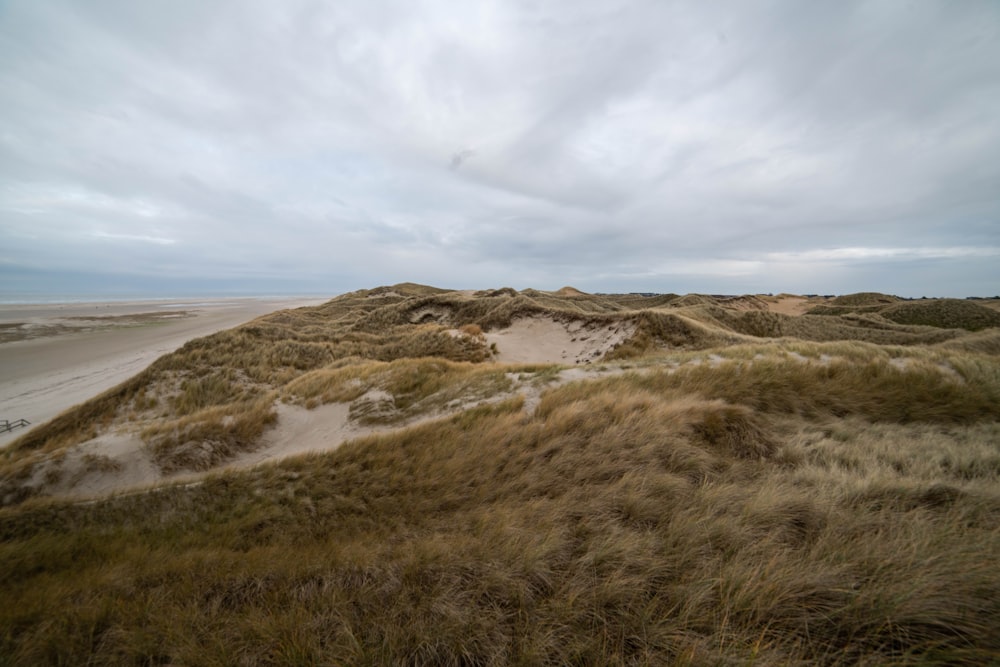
(788, 304)
(534, 340)
(41, 377)
(117, 462)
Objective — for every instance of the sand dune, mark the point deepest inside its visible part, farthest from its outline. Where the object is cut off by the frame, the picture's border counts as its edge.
(723, 459)
(118, 461)
(788, 304)
(70, 354)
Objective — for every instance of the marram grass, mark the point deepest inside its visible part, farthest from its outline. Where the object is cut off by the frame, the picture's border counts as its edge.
(776, 502)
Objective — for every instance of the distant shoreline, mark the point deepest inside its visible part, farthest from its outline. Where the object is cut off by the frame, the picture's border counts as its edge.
(61, 353)
(83, 299)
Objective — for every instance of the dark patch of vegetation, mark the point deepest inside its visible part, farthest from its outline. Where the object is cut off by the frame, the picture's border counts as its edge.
(945, 314)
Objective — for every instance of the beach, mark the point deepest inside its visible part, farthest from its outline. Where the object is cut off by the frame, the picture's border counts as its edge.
(54, 356)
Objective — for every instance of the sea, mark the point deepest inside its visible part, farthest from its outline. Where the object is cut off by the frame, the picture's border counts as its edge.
(215, 299)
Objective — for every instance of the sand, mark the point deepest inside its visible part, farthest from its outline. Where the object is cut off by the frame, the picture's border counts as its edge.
(788, 304)
(535, 340)
(120, 462)
(61, 361)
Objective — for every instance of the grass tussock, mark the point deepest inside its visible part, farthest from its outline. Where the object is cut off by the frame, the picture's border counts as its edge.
(205, 439)
(386, 392)
(984, 342)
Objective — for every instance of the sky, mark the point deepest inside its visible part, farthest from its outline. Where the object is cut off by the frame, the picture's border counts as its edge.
(259, 147)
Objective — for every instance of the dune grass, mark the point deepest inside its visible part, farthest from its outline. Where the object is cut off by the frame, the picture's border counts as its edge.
(412, 321)
(410, 387)
(623, 523)
(751, 489)
(204, 439)
(944, 313)
(863, 299)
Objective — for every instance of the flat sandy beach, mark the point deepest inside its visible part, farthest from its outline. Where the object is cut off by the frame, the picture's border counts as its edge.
(54, 356)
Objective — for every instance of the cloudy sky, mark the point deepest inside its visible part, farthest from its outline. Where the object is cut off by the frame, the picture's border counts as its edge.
(612, 145)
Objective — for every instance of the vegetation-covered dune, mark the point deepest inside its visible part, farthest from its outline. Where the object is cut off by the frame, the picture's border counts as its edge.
(688, 480)
(937, 313)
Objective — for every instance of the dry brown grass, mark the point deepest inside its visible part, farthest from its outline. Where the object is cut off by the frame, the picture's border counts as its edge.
(412, 321)
(865, 299)
(944, 313)
(621, 524)
(471, 330)
(743, 495)
(204, 439)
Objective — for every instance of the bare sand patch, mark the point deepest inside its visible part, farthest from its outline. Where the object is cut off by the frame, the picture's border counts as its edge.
(104, 465)
(789, 305)
(534, 340)
(300, 430)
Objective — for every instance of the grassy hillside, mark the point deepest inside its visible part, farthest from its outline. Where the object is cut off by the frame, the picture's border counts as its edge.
(937, 313)
(944, 313)
(718, 491)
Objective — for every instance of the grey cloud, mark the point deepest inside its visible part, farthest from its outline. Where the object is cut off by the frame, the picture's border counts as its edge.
(622, 144)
